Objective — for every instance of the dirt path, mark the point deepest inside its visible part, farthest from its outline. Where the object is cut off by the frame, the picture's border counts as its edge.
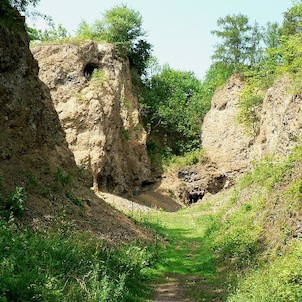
(141, 203)
(158, 200)
(173, 289)
(187, 267)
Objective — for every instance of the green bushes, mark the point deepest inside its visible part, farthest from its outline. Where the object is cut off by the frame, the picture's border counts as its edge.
(174, 104)
(70, 267)
(121, 26)
(190, 158)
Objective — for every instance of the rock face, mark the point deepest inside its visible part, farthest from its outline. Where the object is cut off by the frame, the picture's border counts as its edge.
(280, 121)
(229, 149)
(34, 152)
(30, 133)
(224, 141)
(227, 143)
(92, 92)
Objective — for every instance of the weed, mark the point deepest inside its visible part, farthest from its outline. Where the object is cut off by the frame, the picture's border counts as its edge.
(74, 199)
(32, 181)
(250, 99)
(15, 205)
(62, 177)
(99, 78)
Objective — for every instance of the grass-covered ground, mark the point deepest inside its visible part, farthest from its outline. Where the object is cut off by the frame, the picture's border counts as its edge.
(243, 245)
(66, 266)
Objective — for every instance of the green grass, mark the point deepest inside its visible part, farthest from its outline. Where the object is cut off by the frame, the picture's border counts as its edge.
(190, 158)
(277, 281)
(69, 266)
(240, 245)
(187, 251)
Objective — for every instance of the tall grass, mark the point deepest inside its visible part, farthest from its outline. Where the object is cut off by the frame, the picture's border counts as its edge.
(66, 266)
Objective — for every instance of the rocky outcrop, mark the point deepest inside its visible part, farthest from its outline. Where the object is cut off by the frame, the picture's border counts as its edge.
(229, 148)
(31, 137)
(34, 152)
(228, 144)
(280, 121)
(92, 92)
(224, 141)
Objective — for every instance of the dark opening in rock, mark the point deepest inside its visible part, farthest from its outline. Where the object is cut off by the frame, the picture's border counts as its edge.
(89, 69)
(106, 183)
(217, 184)
(147, 183)
(195, 197)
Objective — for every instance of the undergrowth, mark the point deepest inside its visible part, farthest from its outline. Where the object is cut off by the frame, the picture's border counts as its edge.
(69, 266)
(190, 158)
(243, 243)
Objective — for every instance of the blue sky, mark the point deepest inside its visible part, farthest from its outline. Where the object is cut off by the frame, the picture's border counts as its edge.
(180, 30)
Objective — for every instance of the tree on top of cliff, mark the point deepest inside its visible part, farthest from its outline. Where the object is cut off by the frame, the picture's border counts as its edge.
(121, 26)
(292, 23)
(240, 44)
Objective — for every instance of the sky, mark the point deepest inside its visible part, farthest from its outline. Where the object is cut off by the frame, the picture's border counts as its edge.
(179, 30)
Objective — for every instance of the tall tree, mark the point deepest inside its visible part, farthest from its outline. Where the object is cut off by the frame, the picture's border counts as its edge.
(254, 48)
(235, 34)
(272, 35)
(292, 23)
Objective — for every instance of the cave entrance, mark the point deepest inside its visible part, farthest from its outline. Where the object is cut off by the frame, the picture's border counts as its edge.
(89, 69)
(106, 183)
(217, 184)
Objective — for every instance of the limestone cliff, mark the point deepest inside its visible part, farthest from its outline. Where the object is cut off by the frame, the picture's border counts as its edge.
(34, 153)
(228, 144)
(230, 150)
(91, 88)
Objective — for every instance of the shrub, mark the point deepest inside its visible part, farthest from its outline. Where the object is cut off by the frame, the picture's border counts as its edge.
(62, 177)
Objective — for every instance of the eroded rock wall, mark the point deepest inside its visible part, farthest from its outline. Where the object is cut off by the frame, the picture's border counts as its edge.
(30, 133)
(230, 146)
(34, 152)
(92, 92)
(230, 149)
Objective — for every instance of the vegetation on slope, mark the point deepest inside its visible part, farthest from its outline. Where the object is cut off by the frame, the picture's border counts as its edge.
(260, 55)
(241, 245)
(68, 266)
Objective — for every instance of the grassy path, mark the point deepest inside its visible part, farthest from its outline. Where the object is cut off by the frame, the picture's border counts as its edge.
(187, 270)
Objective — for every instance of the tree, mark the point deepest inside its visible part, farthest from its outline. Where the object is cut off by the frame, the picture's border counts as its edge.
(53, 33)
(292, 23)
(121, 26)
(255, 50)
(235, 33)
(175, 107)
(272, 35)
(21, 5)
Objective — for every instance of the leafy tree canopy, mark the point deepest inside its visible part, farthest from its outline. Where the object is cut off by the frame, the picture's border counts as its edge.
(121, 26)
(21, 5)
(240, 42)
(175, 104)
(292, 23)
